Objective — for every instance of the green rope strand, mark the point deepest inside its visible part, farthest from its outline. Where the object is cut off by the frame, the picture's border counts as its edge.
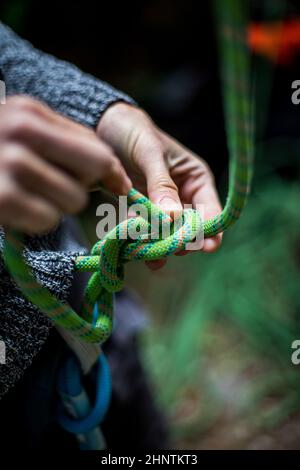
(109, 255)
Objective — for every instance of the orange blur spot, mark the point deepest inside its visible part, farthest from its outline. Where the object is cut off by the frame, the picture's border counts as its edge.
(279, 42)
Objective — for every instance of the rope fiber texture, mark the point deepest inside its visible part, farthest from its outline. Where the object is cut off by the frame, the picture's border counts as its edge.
(109, 255)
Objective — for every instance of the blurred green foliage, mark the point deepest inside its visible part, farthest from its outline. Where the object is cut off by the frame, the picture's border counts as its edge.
(223, 324)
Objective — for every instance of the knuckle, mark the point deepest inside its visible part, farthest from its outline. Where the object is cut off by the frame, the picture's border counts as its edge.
(7, 197)
(53, 220)
(36, 225)
(165, 183)
(209, 175)
(89, 175)
(94, 169)
(14, 161)
(205, 175)
(114, 166)
(79, 202)
(22, 103)
(108, 166)
(83, 200)
(19, 119)
(44, 221)
(19, 126)
(204, 169)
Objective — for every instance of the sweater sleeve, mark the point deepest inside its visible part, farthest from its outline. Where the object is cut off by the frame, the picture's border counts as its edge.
(61, 85)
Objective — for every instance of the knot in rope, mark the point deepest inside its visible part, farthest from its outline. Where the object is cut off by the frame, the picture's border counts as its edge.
(138, 238)
(108, 256)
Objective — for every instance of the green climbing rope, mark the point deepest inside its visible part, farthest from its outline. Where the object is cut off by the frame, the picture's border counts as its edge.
(109, 255)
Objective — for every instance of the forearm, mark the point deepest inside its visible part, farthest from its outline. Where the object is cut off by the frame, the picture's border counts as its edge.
(64, 87)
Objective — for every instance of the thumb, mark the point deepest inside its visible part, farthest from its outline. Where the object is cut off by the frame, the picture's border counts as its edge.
(161, 189)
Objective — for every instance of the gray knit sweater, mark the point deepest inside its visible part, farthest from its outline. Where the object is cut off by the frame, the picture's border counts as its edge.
(82, 98)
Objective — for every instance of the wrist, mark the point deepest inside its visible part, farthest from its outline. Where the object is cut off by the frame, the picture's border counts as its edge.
(120, 125)
(113, 115)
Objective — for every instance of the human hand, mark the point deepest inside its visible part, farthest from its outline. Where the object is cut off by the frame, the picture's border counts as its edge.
(159, 166)
(47, 164)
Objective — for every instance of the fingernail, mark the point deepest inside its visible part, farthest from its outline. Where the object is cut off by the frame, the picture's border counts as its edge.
(209, 245)
(168, 204)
